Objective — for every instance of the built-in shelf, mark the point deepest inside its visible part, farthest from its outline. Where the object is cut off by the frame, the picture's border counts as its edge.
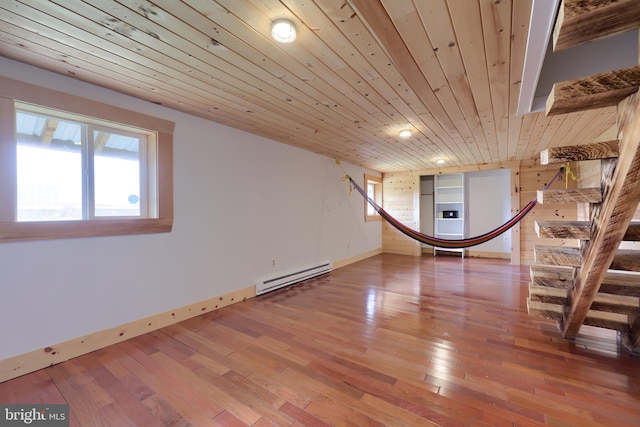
(449, 209)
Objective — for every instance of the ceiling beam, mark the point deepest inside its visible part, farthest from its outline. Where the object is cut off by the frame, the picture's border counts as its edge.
(48, 130)
(599, 90)
(376, 18)
(581, 21)
(610, 226)
(100, 141)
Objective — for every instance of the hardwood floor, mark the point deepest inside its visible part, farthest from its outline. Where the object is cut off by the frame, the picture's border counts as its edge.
(391, 340)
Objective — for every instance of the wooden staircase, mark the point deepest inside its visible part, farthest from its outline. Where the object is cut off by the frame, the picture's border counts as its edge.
(560, 272)
(596, 283)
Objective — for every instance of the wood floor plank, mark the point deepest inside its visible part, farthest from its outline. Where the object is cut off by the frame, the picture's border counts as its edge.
(292, 395)
(86, 408)
(209, 391)
(490, 406)
(178, 394)
(227, 419)
(301, 416)
(165, 413)
(113, 415)
(390, 340)
(125, 402)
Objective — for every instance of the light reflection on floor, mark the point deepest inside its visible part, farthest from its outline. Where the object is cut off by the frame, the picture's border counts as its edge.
(440, 284)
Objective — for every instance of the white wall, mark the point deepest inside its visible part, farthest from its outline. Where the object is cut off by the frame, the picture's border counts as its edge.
(240, 202)
(489, 206)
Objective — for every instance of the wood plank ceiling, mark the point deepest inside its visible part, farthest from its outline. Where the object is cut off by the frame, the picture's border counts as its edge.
(358, 73)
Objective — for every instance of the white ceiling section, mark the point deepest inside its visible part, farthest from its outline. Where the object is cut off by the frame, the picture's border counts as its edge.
(358, 73)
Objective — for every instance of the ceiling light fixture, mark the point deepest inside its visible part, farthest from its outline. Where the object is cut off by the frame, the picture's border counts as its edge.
(405, 133)
(440, 161)
(283, 31)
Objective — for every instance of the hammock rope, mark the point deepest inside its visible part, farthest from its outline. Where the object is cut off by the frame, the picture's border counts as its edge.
(452, 243)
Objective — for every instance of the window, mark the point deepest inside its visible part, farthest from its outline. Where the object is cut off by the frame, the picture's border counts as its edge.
(70, 169)
(374, 192)
(104, 171)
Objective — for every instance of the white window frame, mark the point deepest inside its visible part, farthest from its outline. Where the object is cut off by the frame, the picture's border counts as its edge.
(377, 197)
(14, 94)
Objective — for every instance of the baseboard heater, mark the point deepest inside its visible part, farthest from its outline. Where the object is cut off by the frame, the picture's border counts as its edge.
(292, 278)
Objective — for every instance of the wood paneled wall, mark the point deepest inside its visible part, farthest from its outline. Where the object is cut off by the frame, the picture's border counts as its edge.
(533, 177)
(401, 198)
(588, 176)
(401, 193)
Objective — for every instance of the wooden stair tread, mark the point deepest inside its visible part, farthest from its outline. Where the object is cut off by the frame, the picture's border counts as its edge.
(626, 260)
(618, 304)
(622, 300)
(575, 153)
(595, 91)
(579, 230)
(615, 282)
(608, 320)
(564, 229)
(601, 319)
(580, 22)
(633, 232)
(544, 309)
(548, 295)
(621, 283)
(610, 302)
(554, 276)
(557, 255)
(571, 195)
(621, 304)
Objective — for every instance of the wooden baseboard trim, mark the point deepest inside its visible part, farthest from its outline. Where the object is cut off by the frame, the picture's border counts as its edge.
(356, 258)
(29, 362)
(22, 364)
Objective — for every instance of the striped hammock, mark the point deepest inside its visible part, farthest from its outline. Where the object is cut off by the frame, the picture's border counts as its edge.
(452, 243)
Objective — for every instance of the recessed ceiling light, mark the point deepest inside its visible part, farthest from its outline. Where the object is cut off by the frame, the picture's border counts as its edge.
(283, 31)
(440, 161)
(405, 133)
